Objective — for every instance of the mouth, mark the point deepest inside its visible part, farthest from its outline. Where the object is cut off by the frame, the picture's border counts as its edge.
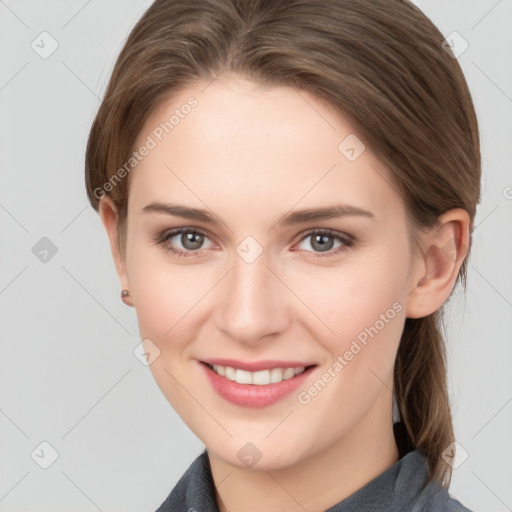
(259, 378)
(255, 384)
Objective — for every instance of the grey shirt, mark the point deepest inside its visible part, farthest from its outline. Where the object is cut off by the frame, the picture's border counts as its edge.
(402, 487)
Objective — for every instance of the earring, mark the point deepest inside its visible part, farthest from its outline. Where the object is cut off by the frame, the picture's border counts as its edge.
(124, 295)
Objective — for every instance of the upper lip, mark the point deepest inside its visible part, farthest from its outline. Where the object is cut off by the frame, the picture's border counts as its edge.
(255, 366)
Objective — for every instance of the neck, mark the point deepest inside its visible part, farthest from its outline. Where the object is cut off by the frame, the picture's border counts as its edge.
(315, 483)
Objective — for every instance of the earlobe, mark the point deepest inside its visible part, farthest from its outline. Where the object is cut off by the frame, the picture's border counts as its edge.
(109, 218)
(445, 248)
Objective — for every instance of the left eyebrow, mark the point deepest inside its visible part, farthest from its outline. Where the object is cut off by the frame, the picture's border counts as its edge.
(332, 212)
(290, 219)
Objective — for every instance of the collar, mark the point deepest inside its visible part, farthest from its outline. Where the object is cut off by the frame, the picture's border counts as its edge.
(403, 486)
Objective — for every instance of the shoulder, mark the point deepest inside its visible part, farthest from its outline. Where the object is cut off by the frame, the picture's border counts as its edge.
(411, 483)
(436, 499)
(431, 495)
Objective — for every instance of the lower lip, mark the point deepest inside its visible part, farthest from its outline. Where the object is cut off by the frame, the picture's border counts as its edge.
(251, 395)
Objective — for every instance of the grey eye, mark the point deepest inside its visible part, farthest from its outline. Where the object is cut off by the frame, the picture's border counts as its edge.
(191, 240)
(321, 242)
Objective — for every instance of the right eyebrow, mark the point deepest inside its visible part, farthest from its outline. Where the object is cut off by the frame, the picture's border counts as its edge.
(181, 211)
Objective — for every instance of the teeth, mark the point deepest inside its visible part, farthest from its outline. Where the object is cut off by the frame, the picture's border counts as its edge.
(229, 373)
(276, 375)
(243, 377)
(288, 373)
(260, 378)
(221, 370)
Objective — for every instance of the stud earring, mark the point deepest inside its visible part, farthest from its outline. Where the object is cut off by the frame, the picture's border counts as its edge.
(124, 295)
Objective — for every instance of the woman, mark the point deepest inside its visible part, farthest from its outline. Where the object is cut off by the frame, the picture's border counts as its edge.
(289, 190)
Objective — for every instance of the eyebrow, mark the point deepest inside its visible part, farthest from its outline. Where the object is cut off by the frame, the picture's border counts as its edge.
(290, 219)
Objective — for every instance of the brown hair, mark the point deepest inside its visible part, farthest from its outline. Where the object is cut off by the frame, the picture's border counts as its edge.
(382, 64)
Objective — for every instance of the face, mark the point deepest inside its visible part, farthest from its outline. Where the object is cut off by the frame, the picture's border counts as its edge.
(251, 284)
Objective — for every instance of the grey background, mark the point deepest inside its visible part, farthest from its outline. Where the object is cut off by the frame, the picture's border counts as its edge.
(68, 374)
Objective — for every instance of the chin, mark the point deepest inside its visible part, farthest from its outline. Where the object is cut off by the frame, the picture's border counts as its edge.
(254, 457)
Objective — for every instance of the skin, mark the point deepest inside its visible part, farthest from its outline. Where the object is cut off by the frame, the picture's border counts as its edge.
(250, 155)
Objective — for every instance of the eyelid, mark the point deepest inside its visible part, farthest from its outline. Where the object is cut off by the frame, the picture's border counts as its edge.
(346, 239)
(166, 234)
(327, 231)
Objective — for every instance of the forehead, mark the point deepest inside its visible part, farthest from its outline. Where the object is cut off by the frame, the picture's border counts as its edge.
(241, 143)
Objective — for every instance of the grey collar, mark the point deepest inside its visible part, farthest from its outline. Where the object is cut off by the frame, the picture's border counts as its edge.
(402, 487)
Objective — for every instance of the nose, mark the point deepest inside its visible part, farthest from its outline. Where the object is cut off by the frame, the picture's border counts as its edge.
(252, 302)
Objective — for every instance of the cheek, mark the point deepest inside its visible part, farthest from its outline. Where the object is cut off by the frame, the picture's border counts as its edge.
(363, 306)
(169, 299)
(159, 295)
(344, 301)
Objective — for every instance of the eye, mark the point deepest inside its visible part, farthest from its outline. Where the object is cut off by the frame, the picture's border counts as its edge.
(191, 241)
(323, 240)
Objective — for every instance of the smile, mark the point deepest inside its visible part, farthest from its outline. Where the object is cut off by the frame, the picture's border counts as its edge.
(260, 378)
(255, 384)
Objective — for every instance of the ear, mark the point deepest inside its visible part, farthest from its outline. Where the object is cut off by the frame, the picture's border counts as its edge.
(444, 248)
(109, 217)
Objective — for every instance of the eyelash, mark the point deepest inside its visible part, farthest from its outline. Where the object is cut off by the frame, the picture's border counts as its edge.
(346, 241)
